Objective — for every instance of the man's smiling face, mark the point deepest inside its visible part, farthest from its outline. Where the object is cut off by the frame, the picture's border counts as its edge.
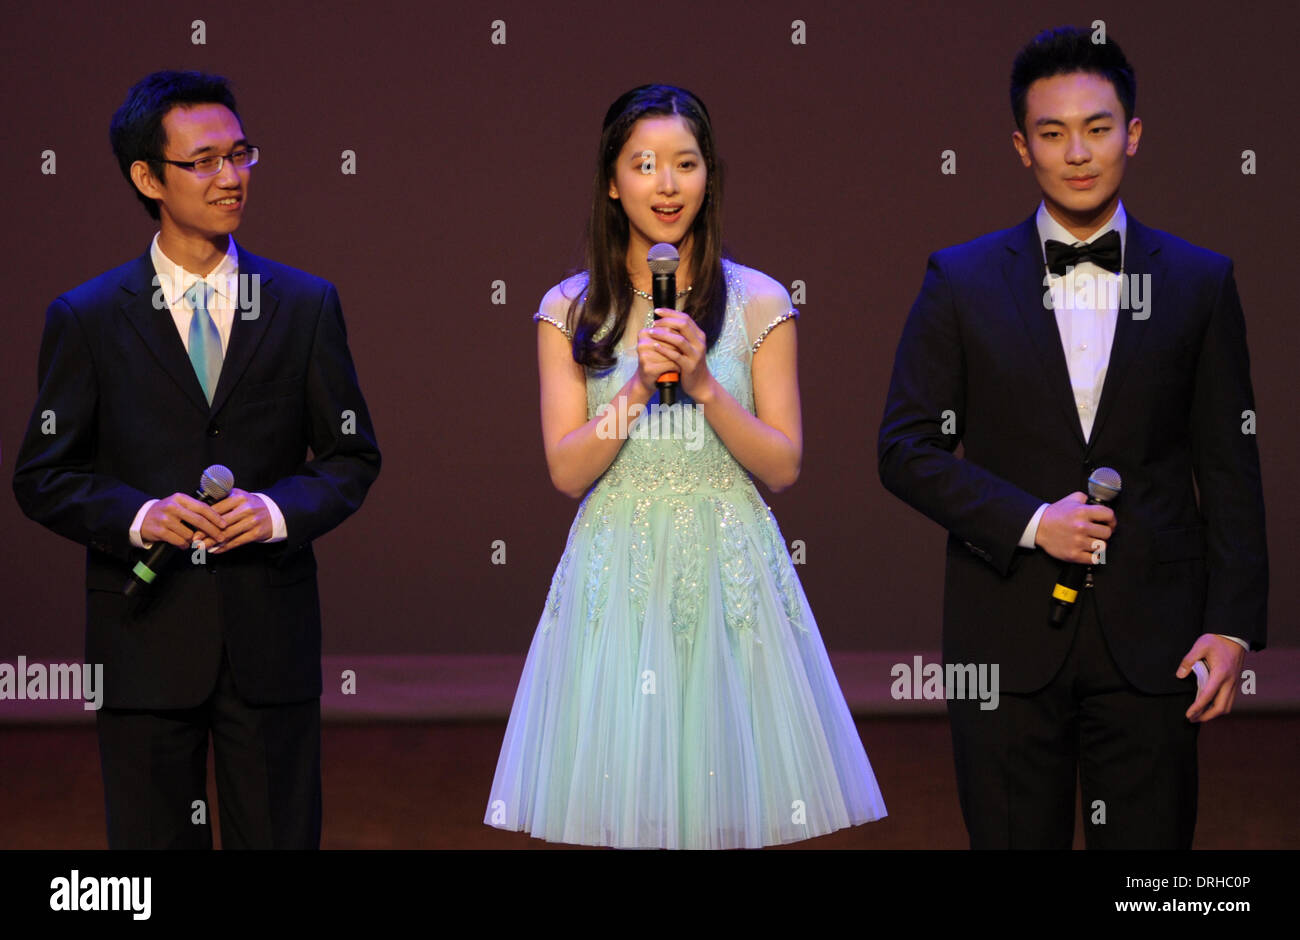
(190, 206)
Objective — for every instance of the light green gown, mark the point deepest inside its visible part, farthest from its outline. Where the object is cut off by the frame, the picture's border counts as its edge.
(677, 693)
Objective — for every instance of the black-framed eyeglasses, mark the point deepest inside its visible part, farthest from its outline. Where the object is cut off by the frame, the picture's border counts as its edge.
(243, 158)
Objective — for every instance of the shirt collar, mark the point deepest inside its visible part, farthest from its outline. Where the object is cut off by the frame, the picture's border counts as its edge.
(176, 280)
(1048, 227)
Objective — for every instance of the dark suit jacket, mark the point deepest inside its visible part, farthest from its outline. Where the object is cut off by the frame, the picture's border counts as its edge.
(132, 424)
(981, 342)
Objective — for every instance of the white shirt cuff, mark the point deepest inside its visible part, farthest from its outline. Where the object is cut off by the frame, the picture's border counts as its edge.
(279, 531)
(1031, 530)
(136, 539)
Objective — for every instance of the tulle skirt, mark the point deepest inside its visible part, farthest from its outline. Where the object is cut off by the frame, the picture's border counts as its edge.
(677, 693)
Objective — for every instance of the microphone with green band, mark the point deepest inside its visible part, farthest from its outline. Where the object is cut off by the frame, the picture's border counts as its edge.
(214, 486)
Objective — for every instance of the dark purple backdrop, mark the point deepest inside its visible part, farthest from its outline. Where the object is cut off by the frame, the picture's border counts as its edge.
(474, 165)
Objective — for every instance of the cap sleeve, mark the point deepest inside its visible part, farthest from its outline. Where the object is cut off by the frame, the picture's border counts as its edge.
(542, 316)
(554, 308)
(767, 308)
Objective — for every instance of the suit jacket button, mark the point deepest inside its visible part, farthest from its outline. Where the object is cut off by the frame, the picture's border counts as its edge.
(213, 430)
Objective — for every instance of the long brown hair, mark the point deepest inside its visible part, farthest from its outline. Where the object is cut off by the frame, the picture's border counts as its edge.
(608, 284)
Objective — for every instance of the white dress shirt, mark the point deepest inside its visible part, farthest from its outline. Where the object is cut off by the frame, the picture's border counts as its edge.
(223, 283)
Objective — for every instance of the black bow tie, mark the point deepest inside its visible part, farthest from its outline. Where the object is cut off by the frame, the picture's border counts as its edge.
(1104, 252)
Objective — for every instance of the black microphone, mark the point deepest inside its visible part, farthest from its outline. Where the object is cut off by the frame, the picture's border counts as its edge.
(663, 276)
(214, 486)
(1103, 486)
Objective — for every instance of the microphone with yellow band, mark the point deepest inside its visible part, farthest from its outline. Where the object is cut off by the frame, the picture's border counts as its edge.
(1103, 486)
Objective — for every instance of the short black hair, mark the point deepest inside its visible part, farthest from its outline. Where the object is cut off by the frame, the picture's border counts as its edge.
(1069, 49)
(136, 131)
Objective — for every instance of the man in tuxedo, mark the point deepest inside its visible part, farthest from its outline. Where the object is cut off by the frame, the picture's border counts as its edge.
(1021, 347)
(197, 353)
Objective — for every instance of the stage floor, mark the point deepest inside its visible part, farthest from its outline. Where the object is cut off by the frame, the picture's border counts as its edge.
(425, 786)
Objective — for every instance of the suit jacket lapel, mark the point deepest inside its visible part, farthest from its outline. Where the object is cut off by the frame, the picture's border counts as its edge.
(1024, 271)
(147, 311)
(1141, 257)
(257, 303)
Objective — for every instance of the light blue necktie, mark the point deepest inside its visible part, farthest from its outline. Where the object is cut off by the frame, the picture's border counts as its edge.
(205, 340)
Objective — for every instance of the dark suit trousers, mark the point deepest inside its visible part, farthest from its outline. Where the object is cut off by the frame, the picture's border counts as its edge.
(267, 770)
(1135, 753)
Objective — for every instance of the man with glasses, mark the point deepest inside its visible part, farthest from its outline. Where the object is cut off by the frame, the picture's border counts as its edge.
(194, 354)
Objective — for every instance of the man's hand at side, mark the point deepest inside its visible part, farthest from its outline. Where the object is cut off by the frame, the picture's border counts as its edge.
(1224, 658)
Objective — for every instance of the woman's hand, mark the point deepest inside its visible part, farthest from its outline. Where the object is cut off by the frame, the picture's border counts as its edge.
(651, 359)
(675, 343)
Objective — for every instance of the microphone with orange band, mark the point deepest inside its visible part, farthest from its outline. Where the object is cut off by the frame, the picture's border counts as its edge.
(663, 262)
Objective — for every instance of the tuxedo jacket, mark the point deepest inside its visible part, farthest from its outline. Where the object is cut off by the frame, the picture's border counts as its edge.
(129, 422)
(1188, 554)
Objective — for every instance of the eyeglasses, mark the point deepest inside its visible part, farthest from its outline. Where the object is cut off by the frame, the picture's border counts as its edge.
(211, 166)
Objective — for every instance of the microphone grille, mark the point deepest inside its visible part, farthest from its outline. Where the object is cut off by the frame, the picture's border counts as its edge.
(1104, 484)
(662, 258)
(216, 482)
